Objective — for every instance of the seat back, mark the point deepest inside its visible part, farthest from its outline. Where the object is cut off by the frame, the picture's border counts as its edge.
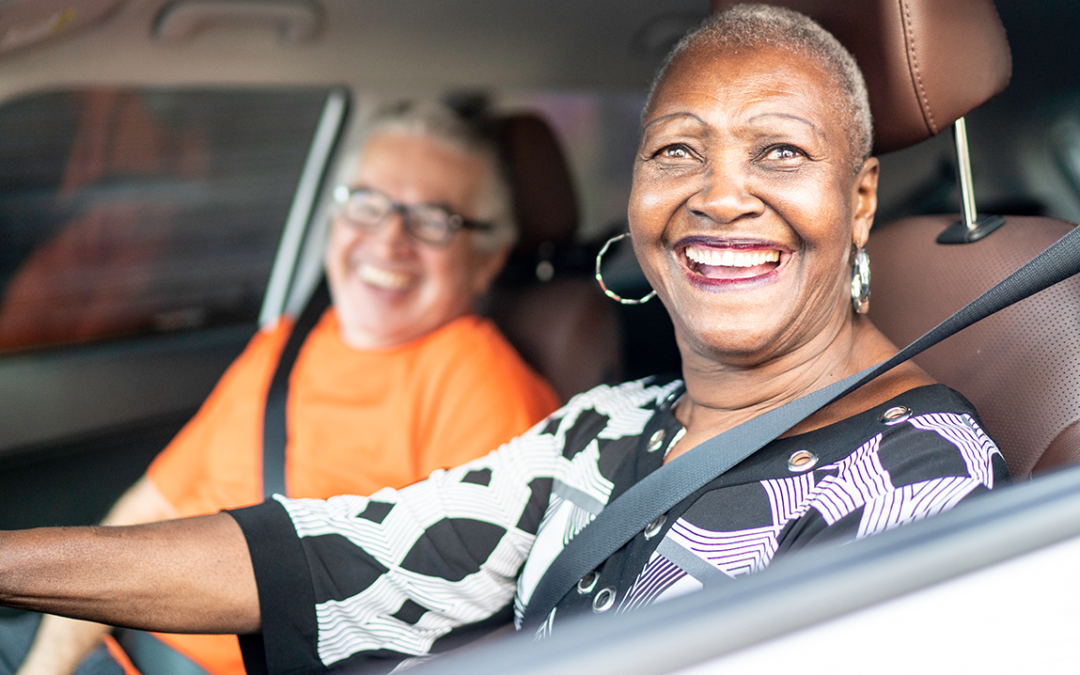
(927, 63)
(1020, 367)
(557, 318)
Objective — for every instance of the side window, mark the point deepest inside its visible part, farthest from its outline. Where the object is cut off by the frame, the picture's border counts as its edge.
(129, 212)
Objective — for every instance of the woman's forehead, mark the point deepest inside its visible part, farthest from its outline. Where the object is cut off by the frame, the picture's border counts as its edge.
(420, 168)
(732, 78)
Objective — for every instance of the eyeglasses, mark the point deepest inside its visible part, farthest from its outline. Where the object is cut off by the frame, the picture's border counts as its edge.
(369, 209)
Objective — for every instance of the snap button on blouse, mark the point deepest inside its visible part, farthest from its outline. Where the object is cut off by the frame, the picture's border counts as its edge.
(653, 528)
(802, 460)
(656, 440)
(896, 415)
(588, 582)
(604, 600)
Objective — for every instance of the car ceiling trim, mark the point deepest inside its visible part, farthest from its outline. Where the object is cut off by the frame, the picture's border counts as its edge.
(307, 190)
(294, 20)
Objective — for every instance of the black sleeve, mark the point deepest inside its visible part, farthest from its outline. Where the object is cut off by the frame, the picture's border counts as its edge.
(288, 641)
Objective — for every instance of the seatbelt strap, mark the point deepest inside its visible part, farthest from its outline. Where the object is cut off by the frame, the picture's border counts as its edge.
(661, 490)
(275, 427)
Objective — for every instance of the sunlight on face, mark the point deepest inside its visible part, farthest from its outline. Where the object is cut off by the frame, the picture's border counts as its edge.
(744, 205)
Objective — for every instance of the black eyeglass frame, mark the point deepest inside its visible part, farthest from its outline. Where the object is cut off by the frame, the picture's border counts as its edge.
(454, 221)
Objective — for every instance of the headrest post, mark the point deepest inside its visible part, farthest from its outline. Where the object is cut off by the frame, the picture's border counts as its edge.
(970, 228)
(963, 171)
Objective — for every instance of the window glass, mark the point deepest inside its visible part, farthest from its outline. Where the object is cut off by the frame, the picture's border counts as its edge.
(130, 212)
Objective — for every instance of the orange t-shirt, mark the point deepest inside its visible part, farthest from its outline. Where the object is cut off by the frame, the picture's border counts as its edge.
(358, 421)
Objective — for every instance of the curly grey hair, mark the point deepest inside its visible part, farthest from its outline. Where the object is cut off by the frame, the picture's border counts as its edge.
(439, 122)
(768, 26)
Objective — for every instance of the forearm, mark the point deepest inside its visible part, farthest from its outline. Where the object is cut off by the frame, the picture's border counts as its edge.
(61, 643)
(191, 575)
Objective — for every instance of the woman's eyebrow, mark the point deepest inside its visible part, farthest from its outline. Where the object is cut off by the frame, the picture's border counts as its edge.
(671, 115)
(816, 128)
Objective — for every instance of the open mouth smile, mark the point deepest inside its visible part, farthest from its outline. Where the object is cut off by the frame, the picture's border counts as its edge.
(382, 278)
(727, 263)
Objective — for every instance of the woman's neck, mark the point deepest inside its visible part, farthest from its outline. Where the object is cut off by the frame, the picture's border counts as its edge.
(720, 396)
(730, 383)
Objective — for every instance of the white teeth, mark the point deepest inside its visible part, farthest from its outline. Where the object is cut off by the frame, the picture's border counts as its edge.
(731, 257)
(381, 278)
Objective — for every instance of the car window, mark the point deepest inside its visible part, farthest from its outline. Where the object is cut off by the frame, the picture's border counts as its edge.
(128, 212)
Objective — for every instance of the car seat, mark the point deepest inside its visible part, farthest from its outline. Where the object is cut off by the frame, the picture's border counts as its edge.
(927, 63)
(546, 302)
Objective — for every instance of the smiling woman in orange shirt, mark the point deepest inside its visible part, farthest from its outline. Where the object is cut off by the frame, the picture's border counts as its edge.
(397, 379)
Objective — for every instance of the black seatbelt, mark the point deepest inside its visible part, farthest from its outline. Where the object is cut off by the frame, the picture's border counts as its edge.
(658, 492)
(275, 432)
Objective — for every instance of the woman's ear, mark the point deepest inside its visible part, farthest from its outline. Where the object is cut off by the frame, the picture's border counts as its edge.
(865, 201)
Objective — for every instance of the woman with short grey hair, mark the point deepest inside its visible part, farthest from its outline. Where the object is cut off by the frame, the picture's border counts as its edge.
(752, 198)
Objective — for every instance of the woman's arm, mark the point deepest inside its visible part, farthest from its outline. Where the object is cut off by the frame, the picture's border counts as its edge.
(192, 575)
(61, 644)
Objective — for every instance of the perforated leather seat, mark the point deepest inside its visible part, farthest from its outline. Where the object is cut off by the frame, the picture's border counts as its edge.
(927, 63)
(1019, 366)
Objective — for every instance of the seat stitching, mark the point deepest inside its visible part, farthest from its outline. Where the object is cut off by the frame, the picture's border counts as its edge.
(914, 61)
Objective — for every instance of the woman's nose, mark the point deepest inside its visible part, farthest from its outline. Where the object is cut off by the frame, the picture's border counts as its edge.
(724, 196)
(391, 233)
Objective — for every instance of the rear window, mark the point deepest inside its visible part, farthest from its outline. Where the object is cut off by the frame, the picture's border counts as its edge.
(130, 212)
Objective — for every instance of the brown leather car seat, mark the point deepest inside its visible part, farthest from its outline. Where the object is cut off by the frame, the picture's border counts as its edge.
(1018, 367)
(557, 318)
(927, 63)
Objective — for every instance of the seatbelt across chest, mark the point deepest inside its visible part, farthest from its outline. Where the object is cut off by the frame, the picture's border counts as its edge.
(275, 424)
(661, 490)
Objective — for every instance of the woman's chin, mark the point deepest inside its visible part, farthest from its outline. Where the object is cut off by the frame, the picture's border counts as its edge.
(735, 343)
(740, 312)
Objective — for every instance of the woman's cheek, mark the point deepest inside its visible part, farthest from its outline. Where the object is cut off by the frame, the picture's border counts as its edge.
(650, 199)
(650, 202)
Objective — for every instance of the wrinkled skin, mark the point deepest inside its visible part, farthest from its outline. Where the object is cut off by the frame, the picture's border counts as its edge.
(745, 155)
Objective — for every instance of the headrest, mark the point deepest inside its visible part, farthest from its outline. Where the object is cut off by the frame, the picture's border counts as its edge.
(544, 199)
(926, 62)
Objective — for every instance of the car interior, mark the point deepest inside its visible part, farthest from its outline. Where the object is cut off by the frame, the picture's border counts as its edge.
(1015, 367)
(165, 177)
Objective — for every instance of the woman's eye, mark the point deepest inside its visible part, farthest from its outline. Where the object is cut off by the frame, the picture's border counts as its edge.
(782, 152)
(674, 152)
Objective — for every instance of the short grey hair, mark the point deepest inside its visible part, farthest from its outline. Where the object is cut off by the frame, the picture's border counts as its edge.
(767, 26)
(441, 123)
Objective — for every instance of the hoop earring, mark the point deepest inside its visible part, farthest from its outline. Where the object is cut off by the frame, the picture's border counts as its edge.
(860, 281)
(600, 278)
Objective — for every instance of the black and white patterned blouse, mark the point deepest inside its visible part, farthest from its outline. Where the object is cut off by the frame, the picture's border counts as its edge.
(416, 571)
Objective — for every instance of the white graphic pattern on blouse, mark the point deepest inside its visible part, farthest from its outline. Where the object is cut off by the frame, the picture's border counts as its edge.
(860, 481)
(401, 569)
